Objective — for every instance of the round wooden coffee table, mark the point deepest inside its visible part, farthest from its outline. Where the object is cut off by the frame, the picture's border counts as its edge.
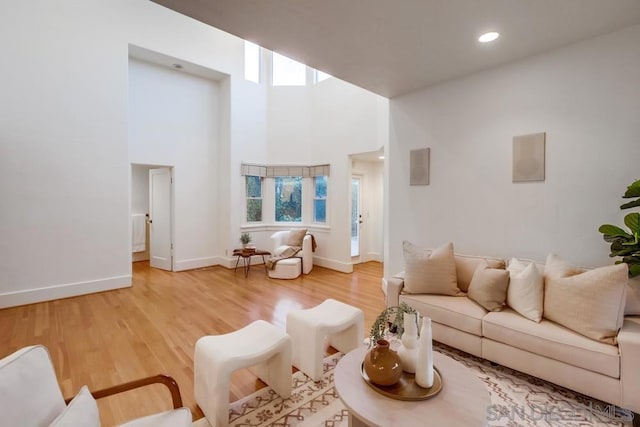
(463, 401)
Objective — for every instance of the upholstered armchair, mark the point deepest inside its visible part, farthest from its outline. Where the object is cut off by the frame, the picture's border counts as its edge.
(30, 396)
(282, 238)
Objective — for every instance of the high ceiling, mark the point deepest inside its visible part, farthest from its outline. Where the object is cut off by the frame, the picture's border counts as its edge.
(392, 47)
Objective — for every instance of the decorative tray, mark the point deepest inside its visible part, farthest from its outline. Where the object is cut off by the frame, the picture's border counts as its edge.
(406, 388)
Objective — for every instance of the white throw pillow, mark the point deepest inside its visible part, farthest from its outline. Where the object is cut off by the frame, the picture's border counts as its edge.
(81, 411)
(430, 272)
(525, 293)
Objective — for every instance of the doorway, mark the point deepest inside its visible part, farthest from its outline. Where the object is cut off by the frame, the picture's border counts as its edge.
(152, 215)
(356, 217)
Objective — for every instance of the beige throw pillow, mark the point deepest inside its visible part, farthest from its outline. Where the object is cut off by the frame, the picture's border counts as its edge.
(489, 287)
(555, 266)
(526, 289)
(591, 303)
(466, 267)
(81, 411)
(296, 237)
(430, 272)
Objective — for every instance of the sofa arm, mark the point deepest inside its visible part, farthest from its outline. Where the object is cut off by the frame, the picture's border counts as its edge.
(629, 346)
(394, 287)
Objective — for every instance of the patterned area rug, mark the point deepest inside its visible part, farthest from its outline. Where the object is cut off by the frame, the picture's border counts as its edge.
(517, 400)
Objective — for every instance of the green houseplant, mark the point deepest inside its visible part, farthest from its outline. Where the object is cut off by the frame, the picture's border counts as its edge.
(626, 244)
(391, 319)
(245, 239)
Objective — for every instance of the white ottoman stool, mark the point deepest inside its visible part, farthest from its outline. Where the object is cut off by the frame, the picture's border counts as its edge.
(341, 324)
(289, 268)
(217, 356)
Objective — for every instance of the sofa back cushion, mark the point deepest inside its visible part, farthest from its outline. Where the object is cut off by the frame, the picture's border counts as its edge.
(430, 272)
(466, 266)
(591, 303)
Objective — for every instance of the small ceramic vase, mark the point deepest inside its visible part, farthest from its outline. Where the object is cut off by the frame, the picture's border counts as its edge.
(408, 350)
(383, 365)
(424, 364)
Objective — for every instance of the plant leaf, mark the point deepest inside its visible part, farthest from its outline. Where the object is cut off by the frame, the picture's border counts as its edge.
(632, 204)
(634, 270)
(632, 221)
(612, 230)
(633, 190)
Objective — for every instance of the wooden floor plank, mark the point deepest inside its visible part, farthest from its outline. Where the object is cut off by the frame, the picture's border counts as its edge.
(112, 337)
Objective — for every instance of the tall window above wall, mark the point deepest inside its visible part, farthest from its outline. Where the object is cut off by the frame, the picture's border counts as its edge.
(254, 198)
(251, 62)
(287, 72)
(288, 198)
(320, 199)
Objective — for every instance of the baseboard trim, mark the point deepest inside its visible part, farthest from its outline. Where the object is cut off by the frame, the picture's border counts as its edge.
(191, 264)
(30, 296)
(343, 267)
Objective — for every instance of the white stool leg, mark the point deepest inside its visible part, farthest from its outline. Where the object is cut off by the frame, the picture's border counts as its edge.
(211, 387)
(276, 371)
(349, 338)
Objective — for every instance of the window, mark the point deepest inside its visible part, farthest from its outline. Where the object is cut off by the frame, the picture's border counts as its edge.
(251, 62)
(288, 198)
(320, 199)
(254, 198)
(287, 72)
(320, 76)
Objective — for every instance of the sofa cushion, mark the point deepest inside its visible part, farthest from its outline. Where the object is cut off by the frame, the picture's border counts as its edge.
(466, 267)
(591, 303)
(430, 273)
(551, 340)
(526, 289)
(457, 312)
(555, 266)
(489, 287)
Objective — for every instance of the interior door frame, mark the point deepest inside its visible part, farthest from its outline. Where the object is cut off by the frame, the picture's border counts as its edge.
(356, 259)
(171, 208)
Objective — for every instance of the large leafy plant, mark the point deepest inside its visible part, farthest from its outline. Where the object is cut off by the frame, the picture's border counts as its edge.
(623, 243)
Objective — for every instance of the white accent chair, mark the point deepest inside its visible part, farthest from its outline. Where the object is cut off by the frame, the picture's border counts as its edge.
(280, 239)
(340, 324)
(30, 396)
(258, 344)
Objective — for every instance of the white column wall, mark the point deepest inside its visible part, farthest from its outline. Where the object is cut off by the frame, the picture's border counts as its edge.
(586, 97)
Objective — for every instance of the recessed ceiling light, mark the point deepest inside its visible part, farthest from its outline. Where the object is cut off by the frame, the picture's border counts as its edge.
(488, 37)
(381, 157)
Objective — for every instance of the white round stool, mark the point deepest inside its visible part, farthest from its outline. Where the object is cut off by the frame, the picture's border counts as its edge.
(340, 323)
(288, 268)
(258, 344)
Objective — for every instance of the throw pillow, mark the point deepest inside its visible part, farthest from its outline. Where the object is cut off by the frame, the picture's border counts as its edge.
(81, 411)
(431, 272)
(296, 237)
(591, 303)
(489, 287)
(556, 266)
(526, 290)
(466, 267)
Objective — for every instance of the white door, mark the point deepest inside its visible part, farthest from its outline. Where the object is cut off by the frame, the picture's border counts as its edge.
(160, 245)
(356, 219)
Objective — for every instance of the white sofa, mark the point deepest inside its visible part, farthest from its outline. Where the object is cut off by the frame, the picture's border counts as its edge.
(545, 350)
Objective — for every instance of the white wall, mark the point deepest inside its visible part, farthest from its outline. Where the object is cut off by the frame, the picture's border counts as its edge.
(322, 124)
(65, 178)
(174, 120)
(372, 200)
(64, 122)
(586, 98)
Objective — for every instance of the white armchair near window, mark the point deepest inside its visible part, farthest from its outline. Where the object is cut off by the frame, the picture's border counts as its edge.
(30, 396)
(281, 238)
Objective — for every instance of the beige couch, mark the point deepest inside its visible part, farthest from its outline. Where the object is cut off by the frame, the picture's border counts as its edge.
(546, 350)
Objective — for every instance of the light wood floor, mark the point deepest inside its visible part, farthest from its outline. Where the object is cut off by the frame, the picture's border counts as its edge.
(112, 337)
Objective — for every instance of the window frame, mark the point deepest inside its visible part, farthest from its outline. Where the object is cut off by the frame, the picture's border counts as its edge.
(316, 198)
(248, 197)
(301, 203)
